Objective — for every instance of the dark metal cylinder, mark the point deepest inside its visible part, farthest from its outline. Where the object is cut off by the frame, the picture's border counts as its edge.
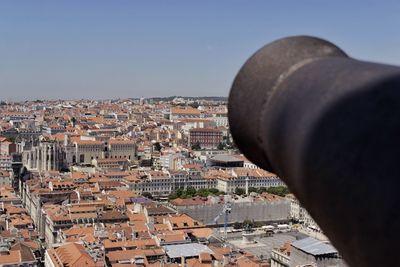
(329, 126)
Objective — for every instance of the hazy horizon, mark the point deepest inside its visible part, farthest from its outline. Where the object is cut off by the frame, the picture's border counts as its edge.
(121, 49)
(107, 99)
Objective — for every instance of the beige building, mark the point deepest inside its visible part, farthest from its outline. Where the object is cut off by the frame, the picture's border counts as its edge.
(280, 257)
(184, 113)
(244, 178)
(122, 149)
(87, 150)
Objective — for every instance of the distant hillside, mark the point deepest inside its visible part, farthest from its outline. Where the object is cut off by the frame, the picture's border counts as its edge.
(210, 98)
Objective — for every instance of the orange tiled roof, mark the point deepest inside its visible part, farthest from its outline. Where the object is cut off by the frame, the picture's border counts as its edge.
(12, 257)
(137, 244)
(72, 255)
(88, 142)
(121, 142)
(129, 254)
(186, 110)
(184, 221)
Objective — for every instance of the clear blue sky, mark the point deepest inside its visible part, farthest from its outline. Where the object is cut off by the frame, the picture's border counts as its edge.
(114, 48)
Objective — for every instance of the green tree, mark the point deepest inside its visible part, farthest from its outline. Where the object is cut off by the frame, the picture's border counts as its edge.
(262, 190)
(203, 192)
(278, 190)
(220, 146)
(179, 192)
(239, 191)
(196, 146)
(214, 191)
(172, 196)
(252, 189)
(248, 223)
(190, 191)
(237, 225)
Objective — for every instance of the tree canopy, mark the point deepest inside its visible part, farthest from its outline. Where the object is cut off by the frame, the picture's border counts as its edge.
(275, 190)
(192, 192)
(196, 146)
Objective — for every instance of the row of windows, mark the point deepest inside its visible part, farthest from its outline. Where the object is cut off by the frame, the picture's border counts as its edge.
(196, 139)
(205, 133)
(208, 140)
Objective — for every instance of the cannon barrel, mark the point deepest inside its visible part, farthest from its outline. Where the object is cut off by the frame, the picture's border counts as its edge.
(329, 126)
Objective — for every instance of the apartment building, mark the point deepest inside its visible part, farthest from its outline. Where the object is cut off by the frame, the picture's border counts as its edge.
(229, 180)
(122, 149)
(161, 184)
(63, 217)
(6, 162)
(205, 137)
(184, 113)
(87, 150)
(5, 177)
(6, 147)
(300, 214)
(220, 119)
(280, 257)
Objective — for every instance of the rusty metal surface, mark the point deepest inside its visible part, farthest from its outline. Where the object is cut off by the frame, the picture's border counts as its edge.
(329, 126)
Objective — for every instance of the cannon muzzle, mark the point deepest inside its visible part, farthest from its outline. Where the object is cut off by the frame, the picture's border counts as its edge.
(329, 126)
